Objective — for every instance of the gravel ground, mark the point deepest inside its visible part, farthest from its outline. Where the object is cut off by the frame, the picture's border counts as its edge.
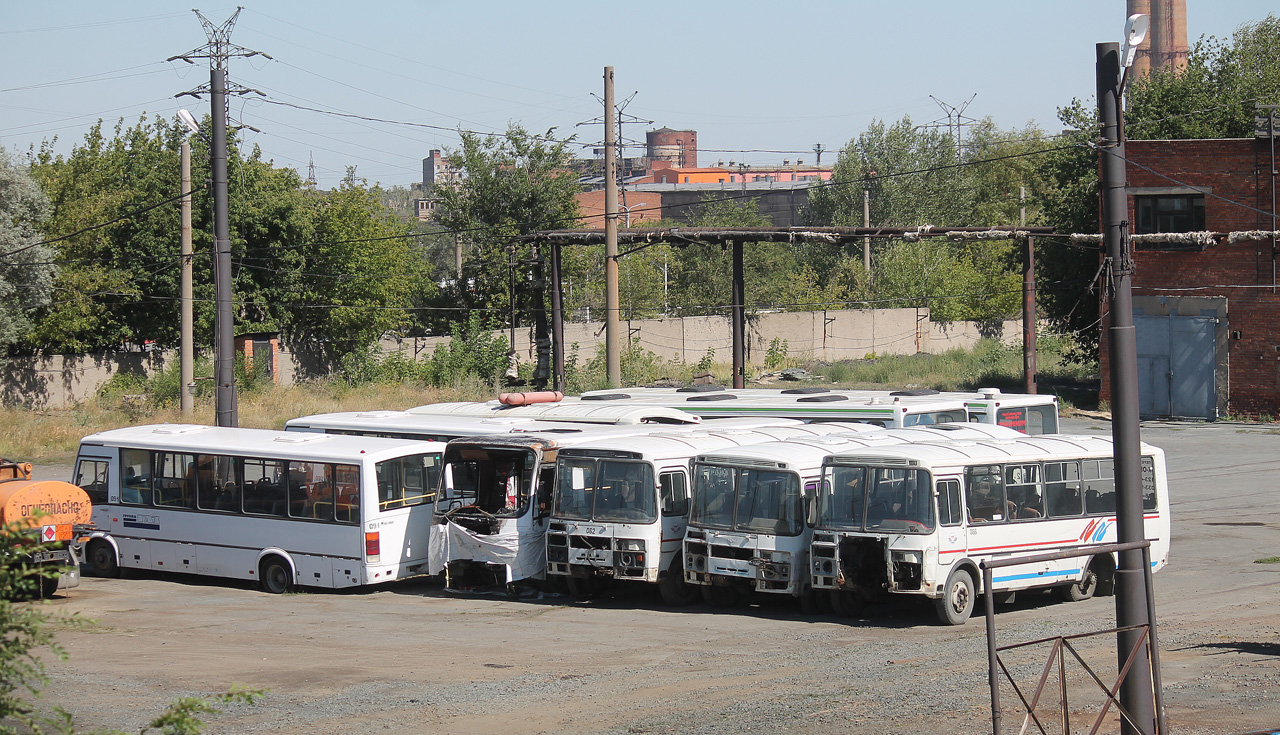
(410, 657)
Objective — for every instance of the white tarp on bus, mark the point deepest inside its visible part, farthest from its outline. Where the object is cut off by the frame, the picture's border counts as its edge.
(523, 554)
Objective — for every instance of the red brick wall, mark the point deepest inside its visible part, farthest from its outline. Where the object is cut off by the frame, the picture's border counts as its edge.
(1237, 171)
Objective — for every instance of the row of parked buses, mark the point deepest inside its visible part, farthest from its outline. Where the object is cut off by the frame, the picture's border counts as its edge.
(829, 509)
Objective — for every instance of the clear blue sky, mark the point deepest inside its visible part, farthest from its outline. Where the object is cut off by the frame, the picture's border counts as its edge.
(744, 74)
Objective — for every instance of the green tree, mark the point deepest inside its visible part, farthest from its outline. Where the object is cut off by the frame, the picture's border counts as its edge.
(511, 185)
(26, 270)
(1214, 96)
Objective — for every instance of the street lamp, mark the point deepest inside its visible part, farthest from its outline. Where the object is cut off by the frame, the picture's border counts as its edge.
(627, 211)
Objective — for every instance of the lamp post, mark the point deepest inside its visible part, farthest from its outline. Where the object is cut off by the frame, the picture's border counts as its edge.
(627, 212)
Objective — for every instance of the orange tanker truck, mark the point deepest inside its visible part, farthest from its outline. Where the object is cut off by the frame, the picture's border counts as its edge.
(59, 509)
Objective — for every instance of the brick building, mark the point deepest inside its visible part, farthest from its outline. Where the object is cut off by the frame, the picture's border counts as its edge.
(1207, 317)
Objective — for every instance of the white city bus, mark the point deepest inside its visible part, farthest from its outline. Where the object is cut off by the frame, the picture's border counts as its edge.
(620, 505)
(747, 526)
(282, 508)
(1028, 413)
(918, 519)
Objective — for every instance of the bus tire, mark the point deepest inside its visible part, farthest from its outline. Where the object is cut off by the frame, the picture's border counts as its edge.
(1084, 589)
(276, 577)
(956, 603)
(847, 604)
(674, 590)
(719, 595)
(102, 559)
(586, 588)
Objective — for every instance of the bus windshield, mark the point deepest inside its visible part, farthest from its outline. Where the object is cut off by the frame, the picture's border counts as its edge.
(761, 501)
(605, 490)
(495, 480)
(875, 499)
(928, 418)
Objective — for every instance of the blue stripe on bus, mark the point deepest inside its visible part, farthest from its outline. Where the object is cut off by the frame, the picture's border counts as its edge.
(1036, 575)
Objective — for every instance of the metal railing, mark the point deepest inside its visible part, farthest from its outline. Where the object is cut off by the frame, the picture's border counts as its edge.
(1063, 645)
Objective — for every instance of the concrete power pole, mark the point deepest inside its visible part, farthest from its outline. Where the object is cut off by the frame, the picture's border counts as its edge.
(1136, 694)
(613, 357)
(866, 222)
(186, 340)
(1028, 299)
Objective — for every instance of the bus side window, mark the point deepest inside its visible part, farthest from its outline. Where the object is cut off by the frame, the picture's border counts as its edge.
(135, 481)
(91, 476)
(1099, 486)
(986, 501)
(1148, 483)
(1062, 489)
(950, 512)
(675, 494)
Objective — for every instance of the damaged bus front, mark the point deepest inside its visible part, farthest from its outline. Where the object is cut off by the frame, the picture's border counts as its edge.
(621, 505)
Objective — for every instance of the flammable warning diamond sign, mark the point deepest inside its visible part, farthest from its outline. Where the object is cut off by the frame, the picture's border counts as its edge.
(49, 533)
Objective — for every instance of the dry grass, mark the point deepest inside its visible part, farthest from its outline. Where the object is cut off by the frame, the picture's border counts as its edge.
(52, 436)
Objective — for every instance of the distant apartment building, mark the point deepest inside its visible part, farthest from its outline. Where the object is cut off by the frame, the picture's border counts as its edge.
(436, 170)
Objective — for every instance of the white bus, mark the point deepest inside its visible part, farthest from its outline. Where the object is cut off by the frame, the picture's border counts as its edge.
(283, 508)
(620, 505)
(495, 503)
(747, 523)
(1028, 413)
(918, 519)
(431, 427)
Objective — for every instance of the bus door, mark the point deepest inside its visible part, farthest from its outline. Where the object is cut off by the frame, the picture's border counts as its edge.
(953, 542)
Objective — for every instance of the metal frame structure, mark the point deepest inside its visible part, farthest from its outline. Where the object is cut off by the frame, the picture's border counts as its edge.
(1143, 635)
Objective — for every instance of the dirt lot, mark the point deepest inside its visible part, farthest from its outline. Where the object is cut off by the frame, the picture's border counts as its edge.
(412, 658)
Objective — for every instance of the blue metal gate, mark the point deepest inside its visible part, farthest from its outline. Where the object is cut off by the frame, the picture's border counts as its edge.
(1177, 366)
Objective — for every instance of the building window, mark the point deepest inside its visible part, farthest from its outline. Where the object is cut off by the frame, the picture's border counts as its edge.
(1170, 213)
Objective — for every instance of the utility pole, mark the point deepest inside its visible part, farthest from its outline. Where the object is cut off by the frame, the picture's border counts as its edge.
(739, 318)
(186, 373)
(218, 50)
(818, 149)
(1136, 694)
(866, 222)
(613, 359)
(1028, 298)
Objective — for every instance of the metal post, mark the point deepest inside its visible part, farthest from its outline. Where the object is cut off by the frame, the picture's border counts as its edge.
(739, 318)
(1028, 299)
(186, 373)
(993, 661)
(613, 358)
(1131, 606)
(557, 319)
(224, 347)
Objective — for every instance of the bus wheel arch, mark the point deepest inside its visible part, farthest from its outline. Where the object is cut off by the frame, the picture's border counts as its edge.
(1098, 579)
(103, 556)
(276, 572)
(674, 589)
(958, 596)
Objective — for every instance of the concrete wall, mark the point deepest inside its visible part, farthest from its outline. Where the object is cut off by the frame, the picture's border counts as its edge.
(817, 335)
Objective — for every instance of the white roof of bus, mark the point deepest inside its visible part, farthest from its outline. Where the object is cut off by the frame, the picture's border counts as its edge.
(573, 410)
(670, 396)
(196, 438)
(990, 451)
(717, 435)
(803, 453)
(828, 401)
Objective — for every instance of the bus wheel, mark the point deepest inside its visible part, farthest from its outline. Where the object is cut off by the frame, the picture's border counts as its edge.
(1078, 592)
(102, 559)
(674, 590)
(956, 604)
(847, 604)
(275, 576)
(719, 595)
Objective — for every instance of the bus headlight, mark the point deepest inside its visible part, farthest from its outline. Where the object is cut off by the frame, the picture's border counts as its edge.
(629, 544)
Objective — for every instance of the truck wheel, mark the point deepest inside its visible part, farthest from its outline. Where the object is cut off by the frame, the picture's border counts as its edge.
(276, 578)
(102, 559)
(48, 585)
